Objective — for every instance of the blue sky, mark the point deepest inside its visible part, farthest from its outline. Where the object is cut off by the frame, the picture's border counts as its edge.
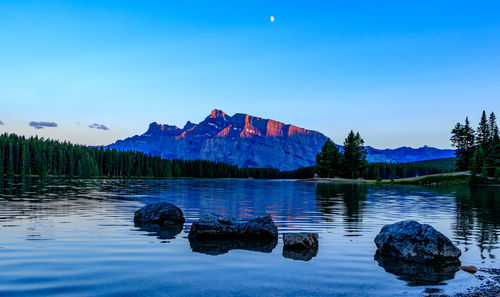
(399, 72)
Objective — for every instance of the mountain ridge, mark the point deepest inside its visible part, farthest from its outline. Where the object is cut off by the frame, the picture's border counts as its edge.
(251, 141)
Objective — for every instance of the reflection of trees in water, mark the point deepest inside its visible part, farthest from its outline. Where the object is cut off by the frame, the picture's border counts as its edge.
(346, 198)
(39, 198)
(478, 218)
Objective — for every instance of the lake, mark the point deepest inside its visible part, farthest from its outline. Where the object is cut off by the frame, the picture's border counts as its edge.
(63, 237)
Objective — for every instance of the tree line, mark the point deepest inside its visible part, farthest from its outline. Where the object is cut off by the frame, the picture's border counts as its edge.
(384, 170)
(349, 163)
(478, 150)
(387, 170)
(41, 157)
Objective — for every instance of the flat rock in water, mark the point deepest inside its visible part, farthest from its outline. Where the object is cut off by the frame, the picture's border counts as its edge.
(415, 242)
(214, 226)
(162, 213)
(300, 240)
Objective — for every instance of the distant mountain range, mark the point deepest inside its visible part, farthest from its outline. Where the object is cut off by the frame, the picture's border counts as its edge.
(252, 142)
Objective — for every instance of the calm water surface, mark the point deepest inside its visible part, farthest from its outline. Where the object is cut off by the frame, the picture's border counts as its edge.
(77, 238)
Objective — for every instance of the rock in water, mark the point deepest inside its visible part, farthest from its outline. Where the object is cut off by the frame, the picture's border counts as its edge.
(300, 240)
(469, 269)
(162, 213)
(214, 226)
(415, 242)
(300, 246)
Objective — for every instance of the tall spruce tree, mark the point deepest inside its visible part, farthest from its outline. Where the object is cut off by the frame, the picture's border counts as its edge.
(463, 138)
(328, 160)
(492, 149)
(354, 160)
(483, 131)
(493, 128)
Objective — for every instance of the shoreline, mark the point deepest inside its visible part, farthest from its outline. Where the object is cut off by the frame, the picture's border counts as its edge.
(489, 286)
(442, 179)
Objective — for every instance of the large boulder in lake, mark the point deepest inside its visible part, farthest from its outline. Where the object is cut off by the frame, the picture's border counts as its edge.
(214, 226)
(162, 213)
(415, 242)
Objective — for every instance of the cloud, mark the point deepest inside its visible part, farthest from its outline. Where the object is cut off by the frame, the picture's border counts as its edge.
(1, 123)
(41, 125)
(98, 126)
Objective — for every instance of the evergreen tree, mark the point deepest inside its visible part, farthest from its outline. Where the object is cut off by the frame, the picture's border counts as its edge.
(492, 158)
(1, 160)
(354, 160)
(463, 139)
(493, 129)
(483, 131)
(328, 160)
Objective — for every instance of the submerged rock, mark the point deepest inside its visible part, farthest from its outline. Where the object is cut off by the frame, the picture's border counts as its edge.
(300, 240)
(222, 246)
(162, 213)
(417, 274)
(214, 226)
(415, 242)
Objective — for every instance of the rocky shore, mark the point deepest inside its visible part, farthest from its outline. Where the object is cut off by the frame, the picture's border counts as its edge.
(490, 285)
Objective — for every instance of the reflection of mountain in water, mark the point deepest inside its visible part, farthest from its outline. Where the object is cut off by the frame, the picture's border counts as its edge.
(478, 218)
(347, 200)
(417, 274)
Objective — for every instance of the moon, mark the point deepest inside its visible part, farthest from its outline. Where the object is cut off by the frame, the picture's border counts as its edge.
(272, 19)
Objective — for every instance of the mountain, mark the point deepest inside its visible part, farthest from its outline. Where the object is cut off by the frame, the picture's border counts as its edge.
(407, 154)
(251, 142)
(239, 139)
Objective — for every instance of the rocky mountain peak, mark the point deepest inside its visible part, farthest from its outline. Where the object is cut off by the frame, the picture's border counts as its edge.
(251, 141)
(189, 125)
(217, 114)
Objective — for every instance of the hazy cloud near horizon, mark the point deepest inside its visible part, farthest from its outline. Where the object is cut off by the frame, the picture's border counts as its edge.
(98, 126)
(41, 125)
(1, 123)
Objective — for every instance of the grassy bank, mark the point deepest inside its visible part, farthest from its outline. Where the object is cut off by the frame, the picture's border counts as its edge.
(452, 178)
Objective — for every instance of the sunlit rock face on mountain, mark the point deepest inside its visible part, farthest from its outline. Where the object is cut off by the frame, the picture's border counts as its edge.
(239, 139)
(252, 142)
